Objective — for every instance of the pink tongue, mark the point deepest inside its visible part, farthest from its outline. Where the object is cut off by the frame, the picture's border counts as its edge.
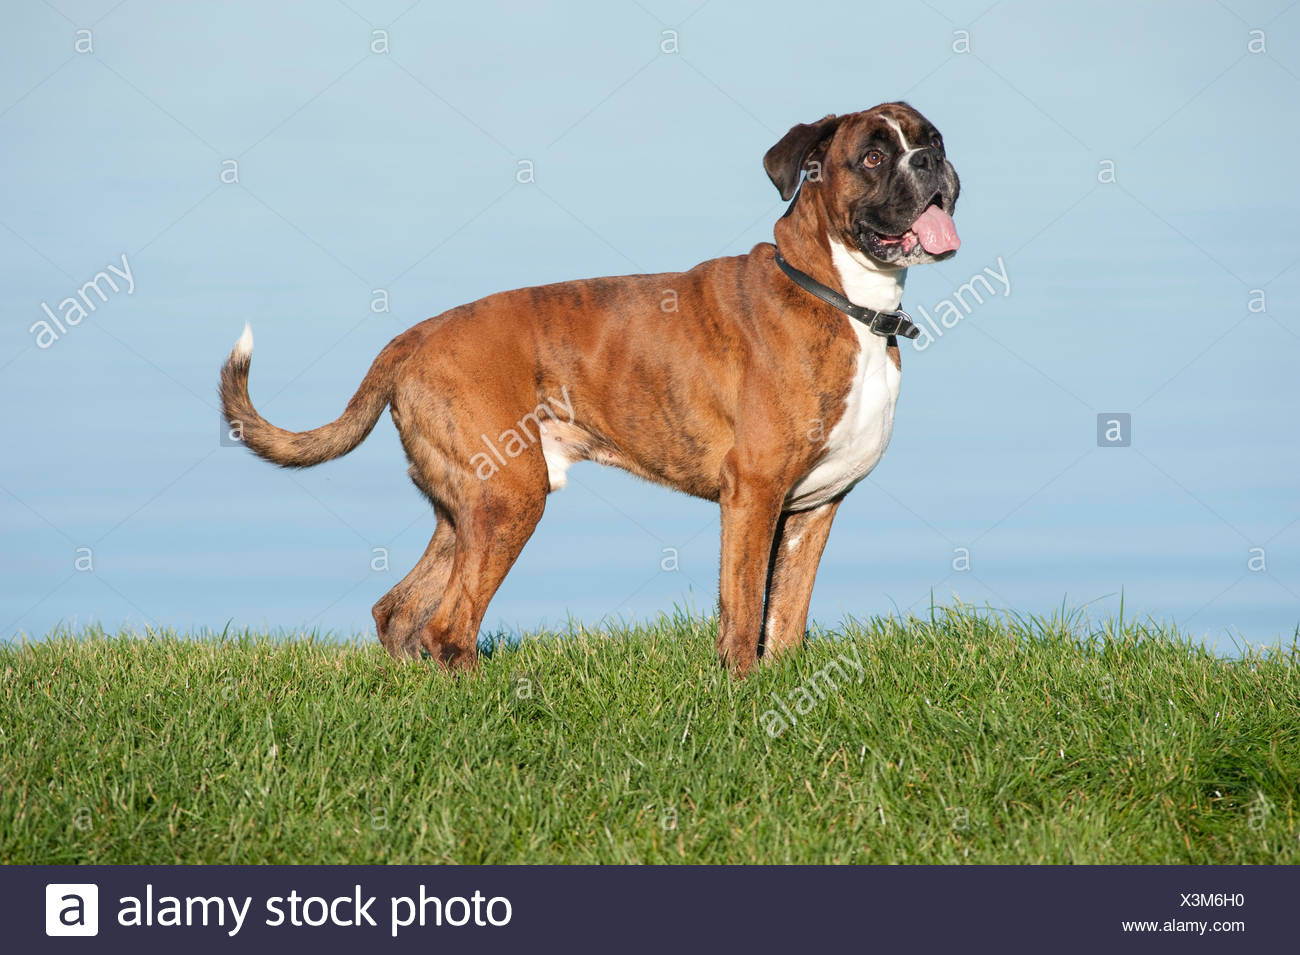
(936, 231)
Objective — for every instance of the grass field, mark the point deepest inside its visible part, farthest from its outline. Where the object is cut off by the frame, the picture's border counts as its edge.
(961, 738)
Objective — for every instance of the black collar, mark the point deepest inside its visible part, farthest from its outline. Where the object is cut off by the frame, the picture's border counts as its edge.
(885, 324)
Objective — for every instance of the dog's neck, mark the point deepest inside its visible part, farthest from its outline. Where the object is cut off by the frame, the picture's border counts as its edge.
(866, 282)
(804, 237)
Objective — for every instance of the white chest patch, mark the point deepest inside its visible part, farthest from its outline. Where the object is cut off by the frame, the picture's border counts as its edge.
(858, 440)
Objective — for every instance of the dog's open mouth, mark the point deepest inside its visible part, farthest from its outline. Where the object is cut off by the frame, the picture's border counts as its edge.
(933, 231)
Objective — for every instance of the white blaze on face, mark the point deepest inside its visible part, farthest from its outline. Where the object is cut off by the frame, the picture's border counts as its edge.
(908, 149)
(893, 124)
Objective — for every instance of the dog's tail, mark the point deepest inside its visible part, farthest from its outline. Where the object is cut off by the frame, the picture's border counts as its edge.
(301, 449)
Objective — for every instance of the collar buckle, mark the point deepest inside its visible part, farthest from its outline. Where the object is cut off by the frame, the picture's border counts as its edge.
(897, 322)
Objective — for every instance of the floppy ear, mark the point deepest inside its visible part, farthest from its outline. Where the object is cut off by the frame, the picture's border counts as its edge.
(797, 148)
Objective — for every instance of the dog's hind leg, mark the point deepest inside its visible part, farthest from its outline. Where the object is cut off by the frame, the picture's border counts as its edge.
(401, 612)
(493, 522)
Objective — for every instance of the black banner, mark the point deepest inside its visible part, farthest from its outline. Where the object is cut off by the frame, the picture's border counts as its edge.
(226, 908)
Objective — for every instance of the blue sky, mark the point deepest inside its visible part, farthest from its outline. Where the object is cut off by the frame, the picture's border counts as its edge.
(361, 170)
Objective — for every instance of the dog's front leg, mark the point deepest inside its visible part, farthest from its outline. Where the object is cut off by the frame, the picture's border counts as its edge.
(796, 552)
(751, 506)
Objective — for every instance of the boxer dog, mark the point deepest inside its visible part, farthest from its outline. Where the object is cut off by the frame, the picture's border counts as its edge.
(765, 382)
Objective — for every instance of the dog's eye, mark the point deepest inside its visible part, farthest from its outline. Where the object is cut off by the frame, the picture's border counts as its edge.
(873, 158)
(937, 142)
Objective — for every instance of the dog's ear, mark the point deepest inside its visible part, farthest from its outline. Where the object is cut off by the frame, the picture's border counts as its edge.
(787, 159)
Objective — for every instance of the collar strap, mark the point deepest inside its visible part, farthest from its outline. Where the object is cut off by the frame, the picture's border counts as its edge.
(884, 324)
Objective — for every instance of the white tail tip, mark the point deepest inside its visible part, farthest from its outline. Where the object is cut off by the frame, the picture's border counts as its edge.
(244, 347)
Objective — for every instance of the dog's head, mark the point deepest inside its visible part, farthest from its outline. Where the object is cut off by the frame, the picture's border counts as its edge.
(882, 175)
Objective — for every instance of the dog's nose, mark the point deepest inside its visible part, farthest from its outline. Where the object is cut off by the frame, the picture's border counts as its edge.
(925, 159)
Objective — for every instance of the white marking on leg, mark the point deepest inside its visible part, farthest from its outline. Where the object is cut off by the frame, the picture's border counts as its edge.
(773, 624)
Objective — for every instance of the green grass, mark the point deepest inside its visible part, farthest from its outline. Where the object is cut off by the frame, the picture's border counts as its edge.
(967, 738)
